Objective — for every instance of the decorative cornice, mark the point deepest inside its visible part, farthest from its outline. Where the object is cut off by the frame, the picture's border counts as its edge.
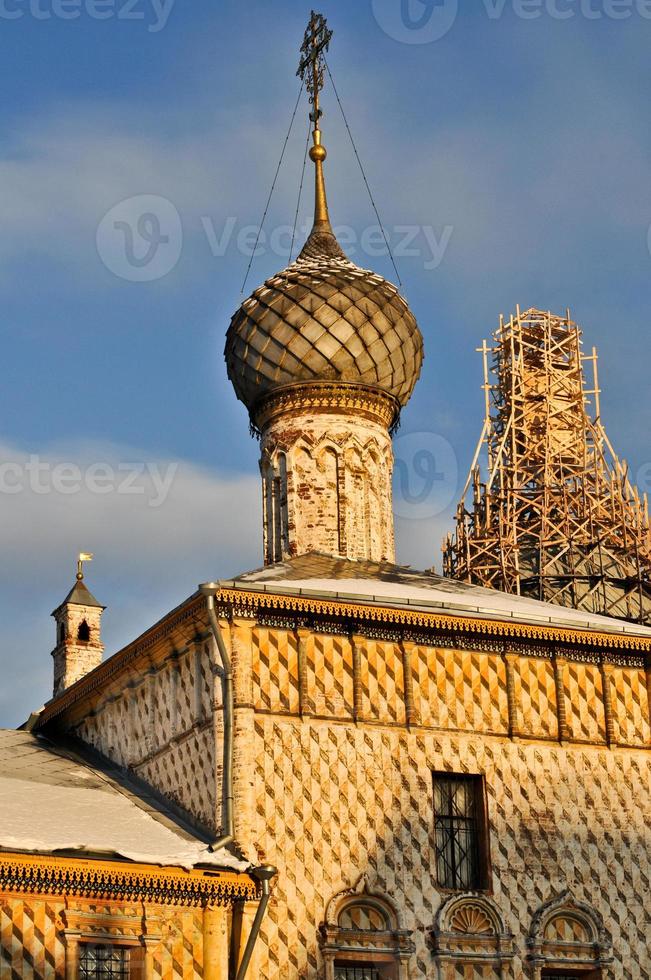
(370, 619)
(111, 880)
(338, 397)
(253, 601)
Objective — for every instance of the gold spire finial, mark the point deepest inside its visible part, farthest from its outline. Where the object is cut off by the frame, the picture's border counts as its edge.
(311, 71)
(83, 556)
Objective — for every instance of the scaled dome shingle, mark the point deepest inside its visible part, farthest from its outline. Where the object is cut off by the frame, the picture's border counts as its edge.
(323, 319)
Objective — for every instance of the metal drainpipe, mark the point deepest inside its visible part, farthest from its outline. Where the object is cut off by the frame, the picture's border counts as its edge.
(264, 874)
(226, 676)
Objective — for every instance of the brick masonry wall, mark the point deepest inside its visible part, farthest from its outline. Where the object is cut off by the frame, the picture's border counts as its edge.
(32, 935)
(342, 787)
(336, 738)
(160, 725)
(327, 486)
(334, 802)
(73, 659)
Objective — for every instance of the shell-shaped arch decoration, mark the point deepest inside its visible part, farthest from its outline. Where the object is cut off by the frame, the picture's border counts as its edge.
(472, 926)
(471, 917)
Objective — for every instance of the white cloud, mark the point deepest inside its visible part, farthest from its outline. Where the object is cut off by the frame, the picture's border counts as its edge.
(147, 559)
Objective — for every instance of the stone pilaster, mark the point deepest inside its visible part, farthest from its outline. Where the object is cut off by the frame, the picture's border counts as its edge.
(72, 956)
(241, 641)
(606, 682)
(510, 660)
(647, 670)
(411, 715)
(306, 707)
(359, 650)
(215, 942)
(561, 708)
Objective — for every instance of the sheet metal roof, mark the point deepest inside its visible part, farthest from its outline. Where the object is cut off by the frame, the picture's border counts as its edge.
(54, 798)
(400, 586)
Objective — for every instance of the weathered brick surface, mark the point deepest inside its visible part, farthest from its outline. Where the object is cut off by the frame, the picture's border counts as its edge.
(331, 783)
(327, 486)
(160, 725)
(32, 935)
(72, 657)
(337, 801)
(337, 798)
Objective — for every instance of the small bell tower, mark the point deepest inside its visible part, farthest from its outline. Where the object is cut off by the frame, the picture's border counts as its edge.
(78, 647)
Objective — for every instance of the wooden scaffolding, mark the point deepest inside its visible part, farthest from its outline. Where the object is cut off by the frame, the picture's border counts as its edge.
(555, 516)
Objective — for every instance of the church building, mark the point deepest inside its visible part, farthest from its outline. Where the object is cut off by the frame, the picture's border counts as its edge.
(403, 776)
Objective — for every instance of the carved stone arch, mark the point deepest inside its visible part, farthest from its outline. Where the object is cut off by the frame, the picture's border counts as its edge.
(568, 933)
(329, 442)
(325, 448)
(363, 926)
(469, 929)
(361, 891)
(372, 452)
(304, 446)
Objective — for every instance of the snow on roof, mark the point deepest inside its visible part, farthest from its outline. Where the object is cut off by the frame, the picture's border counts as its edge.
(394, 585)
(52, 799)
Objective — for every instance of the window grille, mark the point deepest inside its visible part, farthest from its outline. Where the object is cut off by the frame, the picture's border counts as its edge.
(559, 975)
(356, 973)
(459, 831)
(103, 962)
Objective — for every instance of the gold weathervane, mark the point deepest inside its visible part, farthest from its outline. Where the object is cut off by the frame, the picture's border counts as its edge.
(83, 556)
(311, 71)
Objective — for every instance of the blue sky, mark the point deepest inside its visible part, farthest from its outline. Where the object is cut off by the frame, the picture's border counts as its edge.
(517, 142)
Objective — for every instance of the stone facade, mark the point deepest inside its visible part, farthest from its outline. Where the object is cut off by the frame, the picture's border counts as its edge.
(341, 722)
(344, 789)
(170, 922)
(326, 465)
(164, 723)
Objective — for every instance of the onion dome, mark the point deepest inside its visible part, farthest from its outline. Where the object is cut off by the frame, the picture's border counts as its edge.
(323, 319)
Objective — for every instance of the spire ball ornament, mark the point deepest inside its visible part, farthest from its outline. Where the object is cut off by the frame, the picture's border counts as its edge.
(318, 153)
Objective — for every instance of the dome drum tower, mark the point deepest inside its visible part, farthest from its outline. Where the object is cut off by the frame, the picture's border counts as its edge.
(326, 466)
(324, 355)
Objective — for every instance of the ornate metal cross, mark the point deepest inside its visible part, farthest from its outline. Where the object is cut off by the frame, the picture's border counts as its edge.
(312, 65)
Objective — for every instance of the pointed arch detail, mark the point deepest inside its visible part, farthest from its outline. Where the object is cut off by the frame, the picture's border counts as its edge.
(568, 933)
(363, 925)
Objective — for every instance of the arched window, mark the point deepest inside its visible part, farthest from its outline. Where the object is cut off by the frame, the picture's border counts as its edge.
(361, 938)
(567, 938)
(470, 939)
(62, 632)
(364, 917)
(83, 633)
